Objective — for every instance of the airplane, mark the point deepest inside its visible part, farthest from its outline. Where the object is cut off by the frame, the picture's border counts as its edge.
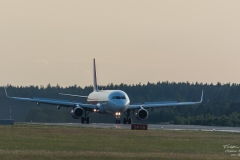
(112, 102)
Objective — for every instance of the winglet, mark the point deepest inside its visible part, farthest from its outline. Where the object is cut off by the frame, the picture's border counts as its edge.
(201, 98)
(6, 91)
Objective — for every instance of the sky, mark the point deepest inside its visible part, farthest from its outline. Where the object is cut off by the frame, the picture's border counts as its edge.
(136, 41)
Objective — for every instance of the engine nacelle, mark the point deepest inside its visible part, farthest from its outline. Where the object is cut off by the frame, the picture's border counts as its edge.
(142, 114)
(77, 112)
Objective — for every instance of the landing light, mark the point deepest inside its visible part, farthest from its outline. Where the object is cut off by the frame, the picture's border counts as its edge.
(117, 113)
(94, 110)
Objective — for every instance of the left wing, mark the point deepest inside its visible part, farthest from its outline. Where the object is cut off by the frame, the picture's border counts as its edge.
(58, 102)
(163, 104)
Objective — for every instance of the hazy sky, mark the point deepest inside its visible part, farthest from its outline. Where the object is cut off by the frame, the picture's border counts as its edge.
(55, 41)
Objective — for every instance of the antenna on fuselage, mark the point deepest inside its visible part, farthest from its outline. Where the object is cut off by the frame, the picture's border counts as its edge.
(95, 86)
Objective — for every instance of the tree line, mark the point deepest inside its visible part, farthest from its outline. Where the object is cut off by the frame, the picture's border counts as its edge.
(221, 103)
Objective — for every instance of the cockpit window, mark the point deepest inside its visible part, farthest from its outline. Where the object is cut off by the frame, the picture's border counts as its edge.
(118, 97)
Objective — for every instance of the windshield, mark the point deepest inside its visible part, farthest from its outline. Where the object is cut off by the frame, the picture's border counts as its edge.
(118, 97)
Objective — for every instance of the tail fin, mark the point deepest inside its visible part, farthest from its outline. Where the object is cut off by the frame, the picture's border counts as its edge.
(95, 86)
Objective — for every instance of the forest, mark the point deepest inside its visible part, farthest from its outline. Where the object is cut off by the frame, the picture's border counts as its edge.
(220, 107)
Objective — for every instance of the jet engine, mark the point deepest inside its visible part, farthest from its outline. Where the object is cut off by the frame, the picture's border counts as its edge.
(77, 112)
(142, 114)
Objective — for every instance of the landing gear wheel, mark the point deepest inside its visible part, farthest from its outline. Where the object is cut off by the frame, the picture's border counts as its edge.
(87, 120)
(124, 120)
(127, 119)
(82, 120)
(130, 121)
(117, 121)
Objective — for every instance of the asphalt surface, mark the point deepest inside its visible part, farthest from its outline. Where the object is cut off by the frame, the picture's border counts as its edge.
(150, 126)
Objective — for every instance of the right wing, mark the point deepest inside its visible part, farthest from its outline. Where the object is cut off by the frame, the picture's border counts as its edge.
(64, 103)
(163, 104)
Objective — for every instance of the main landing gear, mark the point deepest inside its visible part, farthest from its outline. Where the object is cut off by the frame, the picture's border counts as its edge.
(127, 119)
(85, 118)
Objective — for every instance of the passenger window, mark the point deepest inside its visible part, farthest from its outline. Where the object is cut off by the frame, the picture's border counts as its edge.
(113, 97)
(117, 97)
(123, 97)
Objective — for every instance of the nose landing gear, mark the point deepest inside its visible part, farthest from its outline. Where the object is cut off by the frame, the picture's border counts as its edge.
(118, 121)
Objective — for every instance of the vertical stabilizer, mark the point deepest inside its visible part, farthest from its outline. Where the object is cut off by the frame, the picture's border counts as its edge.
(95, 86)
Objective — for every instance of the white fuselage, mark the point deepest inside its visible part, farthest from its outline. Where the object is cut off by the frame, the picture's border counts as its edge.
(109, 101)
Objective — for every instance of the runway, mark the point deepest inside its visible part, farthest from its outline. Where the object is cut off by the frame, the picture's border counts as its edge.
(150, 126)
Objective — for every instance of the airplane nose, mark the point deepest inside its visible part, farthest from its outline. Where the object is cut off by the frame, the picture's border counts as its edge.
(121, 105)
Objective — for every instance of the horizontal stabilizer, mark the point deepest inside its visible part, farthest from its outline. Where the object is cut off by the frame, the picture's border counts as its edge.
(73, 95)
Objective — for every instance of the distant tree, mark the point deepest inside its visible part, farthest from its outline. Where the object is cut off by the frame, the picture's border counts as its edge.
(221, 103)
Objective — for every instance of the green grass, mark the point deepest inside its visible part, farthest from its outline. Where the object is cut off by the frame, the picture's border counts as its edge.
(58, 142)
